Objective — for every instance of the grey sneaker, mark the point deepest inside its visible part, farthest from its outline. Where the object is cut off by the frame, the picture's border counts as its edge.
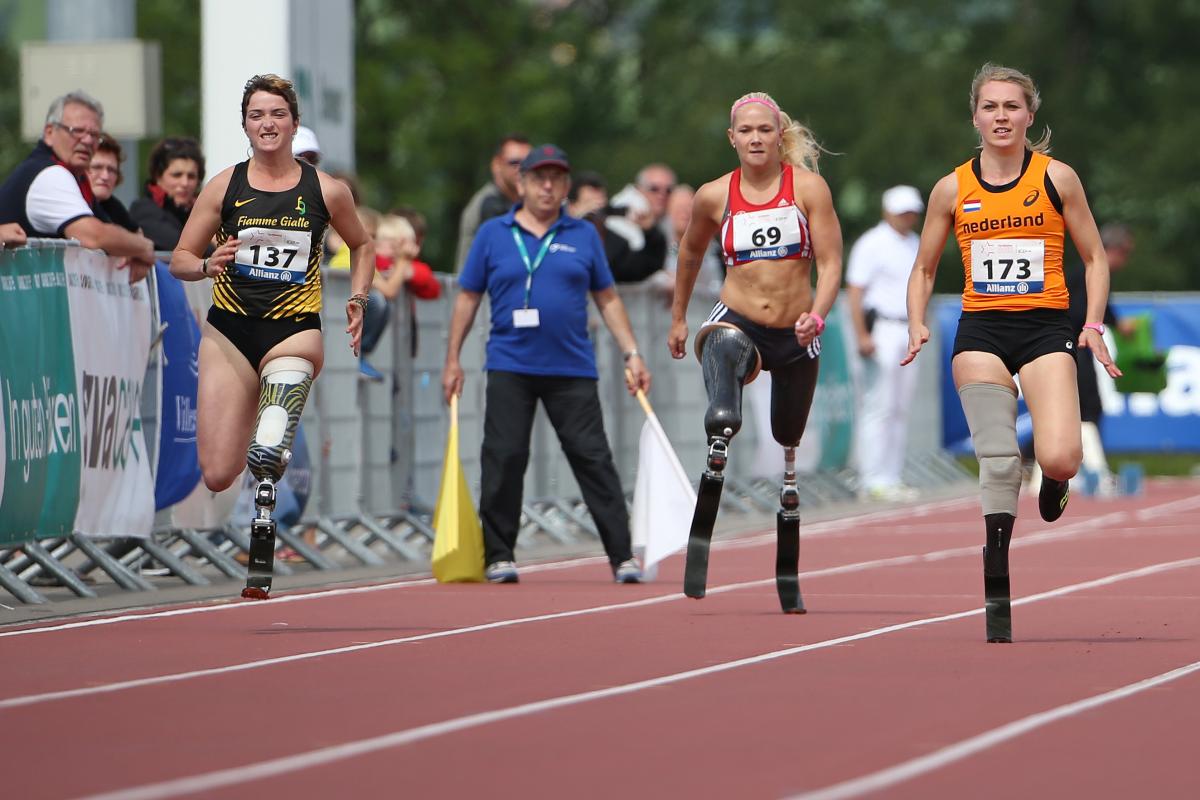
(502, 572)
(628, 572)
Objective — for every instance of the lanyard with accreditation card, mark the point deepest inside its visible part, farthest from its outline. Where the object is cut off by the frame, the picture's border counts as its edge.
(528, 317)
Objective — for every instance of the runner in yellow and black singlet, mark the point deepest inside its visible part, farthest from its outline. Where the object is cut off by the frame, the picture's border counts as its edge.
(276, 271)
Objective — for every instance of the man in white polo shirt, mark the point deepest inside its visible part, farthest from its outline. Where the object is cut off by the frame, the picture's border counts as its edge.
(877, 279)
(48, 194)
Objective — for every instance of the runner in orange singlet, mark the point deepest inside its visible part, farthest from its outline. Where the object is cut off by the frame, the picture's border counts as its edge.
(1009, 207)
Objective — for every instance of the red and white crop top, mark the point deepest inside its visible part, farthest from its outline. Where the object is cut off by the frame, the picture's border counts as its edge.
(776, 230)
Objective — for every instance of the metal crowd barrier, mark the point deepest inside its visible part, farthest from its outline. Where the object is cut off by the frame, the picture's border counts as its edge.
(377, 452)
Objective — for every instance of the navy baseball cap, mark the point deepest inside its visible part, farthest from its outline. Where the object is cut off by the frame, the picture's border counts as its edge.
(545, 155)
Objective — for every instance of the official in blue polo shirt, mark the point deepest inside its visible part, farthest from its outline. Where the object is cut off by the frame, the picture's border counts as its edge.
(537, 265)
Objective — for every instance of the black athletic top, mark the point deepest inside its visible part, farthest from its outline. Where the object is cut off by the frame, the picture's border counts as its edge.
(276, 273)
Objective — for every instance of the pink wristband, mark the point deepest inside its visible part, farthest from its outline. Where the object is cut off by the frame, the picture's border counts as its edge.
(820, 322)
(1095, 326)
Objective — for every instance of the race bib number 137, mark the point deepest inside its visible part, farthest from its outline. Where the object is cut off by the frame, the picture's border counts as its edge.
(272, 254)
(1008, 266)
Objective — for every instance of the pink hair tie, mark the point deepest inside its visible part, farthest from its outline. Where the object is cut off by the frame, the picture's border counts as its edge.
(746, 101)
(820, 322)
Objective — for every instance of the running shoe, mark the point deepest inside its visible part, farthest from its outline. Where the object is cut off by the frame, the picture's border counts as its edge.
(502, 572)
(628, 572)
(1052, 499)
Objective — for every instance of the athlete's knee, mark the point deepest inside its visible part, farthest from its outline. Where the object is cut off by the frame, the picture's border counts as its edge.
(1060, 462)
(991, 412)
(283, 391)
(727, 356)
(217, 479)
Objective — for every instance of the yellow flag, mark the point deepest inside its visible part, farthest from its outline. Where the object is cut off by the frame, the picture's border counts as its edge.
(458, 537)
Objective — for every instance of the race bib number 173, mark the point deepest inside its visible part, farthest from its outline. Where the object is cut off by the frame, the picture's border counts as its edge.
(1008, 266)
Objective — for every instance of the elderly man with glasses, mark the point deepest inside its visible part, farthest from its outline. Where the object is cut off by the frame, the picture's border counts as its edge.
(48, 193)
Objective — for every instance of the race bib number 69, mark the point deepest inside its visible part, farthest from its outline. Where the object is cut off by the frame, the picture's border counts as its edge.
(272, 254)
(1008, 266)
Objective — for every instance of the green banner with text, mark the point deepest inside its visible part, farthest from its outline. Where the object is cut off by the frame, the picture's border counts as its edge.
(39, 421)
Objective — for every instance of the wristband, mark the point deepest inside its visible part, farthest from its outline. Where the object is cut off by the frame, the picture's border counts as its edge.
(204, 266)
(820, 322)
(361, 300)
(1095, 326)
(628, 354)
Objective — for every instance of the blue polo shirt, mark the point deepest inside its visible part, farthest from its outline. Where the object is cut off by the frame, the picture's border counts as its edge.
(573, 267)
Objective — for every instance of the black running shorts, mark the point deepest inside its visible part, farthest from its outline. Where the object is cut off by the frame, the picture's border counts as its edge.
(1016, 337)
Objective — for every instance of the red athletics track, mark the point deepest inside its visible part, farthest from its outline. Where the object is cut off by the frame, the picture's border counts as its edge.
(569, 686)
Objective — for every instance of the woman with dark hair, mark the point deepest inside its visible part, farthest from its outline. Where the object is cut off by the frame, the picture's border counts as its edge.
(262, 346)
(104, 176)
(176, 172)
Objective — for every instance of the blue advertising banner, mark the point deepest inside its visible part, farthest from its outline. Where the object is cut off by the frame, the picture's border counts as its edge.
(178, 464)
(1139, 422)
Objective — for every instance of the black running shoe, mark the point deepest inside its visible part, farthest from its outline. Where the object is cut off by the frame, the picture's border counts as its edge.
(1052, 499)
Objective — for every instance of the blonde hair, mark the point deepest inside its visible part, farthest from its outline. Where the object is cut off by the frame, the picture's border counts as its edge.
(797, 144)
(395, 228)
(1033, 99)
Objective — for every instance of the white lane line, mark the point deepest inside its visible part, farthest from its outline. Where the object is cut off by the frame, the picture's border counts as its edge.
(216, 779)
(33, 699)
(845, 525)
(907, 770)
(1083, 526)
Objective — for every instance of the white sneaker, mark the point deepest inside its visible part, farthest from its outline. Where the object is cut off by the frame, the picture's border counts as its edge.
(502, 572)
(628, 572)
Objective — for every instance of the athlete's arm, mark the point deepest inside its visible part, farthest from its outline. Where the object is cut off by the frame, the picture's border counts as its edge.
(461, 319)
(813, 193)
(187, 262)
(1082, 226)
(707, 207)
(343, 218)
(939, 218)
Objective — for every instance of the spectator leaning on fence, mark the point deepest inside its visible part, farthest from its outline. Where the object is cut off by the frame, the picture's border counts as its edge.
(176, 172)
(48, 194)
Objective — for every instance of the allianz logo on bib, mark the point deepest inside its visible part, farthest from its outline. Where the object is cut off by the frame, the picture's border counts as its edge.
(768, 252)
(1021, 287)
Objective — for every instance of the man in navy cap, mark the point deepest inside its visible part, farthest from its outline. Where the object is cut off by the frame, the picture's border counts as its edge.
(537, 265)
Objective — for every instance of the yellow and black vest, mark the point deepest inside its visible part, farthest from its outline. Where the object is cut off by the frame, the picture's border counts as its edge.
(1011, 239)
(276, 273)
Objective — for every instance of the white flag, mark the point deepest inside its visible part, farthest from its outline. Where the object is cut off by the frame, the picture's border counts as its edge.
(663, 499)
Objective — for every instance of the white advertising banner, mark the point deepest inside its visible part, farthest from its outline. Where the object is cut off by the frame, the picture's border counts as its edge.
(110, 334)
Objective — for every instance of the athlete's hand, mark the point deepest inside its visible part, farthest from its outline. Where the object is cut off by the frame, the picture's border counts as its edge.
(918, 335)
(1092, 340)
(222, 257)
(807, 328)
(452, 380)
(354, 326)
(677, 338)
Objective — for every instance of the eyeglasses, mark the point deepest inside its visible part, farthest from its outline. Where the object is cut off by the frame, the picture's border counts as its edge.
(514, 162)
(99, 169)
(78, 132)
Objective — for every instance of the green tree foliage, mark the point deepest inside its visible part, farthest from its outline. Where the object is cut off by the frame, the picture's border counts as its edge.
(882, 83)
